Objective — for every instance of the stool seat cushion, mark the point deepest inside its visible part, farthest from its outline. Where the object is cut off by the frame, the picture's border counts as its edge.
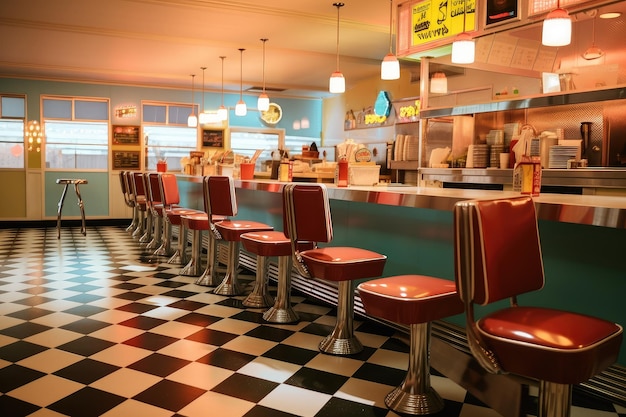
(231, 230)
(270, 243)
(410, 299)
(174, 214)
(343, 263)
(195, 221)
(551, 345)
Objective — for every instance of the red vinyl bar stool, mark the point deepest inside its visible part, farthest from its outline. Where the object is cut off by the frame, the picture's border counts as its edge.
(173, 213)
(155, 208)
(220, 200)
(308, 216)
(498, 256)
(128, 200)
(139, 197)
(414, 300)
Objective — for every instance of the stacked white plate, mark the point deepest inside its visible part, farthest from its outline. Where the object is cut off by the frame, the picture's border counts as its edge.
(560, 154)
(481, 156)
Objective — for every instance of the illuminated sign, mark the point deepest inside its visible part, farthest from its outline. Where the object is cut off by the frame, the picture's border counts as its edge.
(435, 20)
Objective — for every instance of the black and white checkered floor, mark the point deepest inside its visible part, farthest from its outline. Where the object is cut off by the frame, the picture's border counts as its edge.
(86, 329)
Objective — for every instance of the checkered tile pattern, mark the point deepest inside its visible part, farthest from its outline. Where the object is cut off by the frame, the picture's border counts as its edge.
(87, 329)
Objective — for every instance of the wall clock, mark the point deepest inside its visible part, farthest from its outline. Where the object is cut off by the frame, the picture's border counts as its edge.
(272, 115)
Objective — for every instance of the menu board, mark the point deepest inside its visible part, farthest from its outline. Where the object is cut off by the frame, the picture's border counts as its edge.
(126, 159)
(433, 20)
(125, 135)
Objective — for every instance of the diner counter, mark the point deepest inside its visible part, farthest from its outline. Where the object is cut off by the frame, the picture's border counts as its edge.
(582, 246)
(596, 210)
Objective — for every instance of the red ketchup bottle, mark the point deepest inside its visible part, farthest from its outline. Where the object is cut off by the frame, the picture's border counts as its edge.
(342, 173)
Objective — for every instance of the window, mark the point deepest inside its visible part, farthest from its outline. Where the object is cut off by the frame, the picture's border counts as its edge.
(166, 134)
(12, 112)
(76, 132)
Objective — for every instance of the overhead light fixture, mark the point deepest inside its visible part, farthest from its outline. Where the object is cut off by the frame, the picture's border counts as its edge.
(439, 83)
(192, 120)
(557, 28)
(390, 67)
(222, 112)
(337, 82)
(463, 47)
(263, 103)
(593, 52)
(240, 108)
(204, 116)
(610, 15)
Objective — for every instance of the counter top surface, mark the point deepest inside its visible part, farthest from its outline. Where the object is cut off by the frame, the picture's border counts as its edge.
(607, 211)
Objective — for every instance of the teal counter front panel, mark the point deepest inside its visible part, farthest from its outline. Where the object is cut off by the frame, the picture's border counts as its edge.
(95, 194)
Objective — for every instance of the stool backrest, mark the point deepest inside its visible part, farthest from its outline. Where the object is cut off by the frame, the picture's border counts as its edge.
(497, 255)
(307, 213)
(497, 249)
(219, 196)
(154, 187)
(169, 189)
(138, 185)
(124, 186)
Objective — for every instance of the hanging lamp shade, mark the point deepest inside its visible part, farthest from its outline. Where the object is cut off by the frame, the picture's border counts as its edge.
(463, 49)
(192, 120)
(439, 83)
(557, 28)
(263, 102)
(337, 83)
(241, 109)
(390, 67)
(463, 46)
(222, 112)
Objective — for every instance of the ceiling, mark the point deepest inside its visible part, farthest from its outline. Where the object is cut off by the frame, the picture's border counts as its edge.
(162, 42)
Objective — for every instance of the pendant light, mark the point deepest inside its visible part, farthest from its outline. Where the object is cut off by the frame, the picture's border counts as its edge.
(593, 52)
(204, 117)
(263, 103)
(390, 67)
(439, 83)
(240, 108)
(463, 47)
(337, 82)
(192, 120)
(222, 112)
(557, 28)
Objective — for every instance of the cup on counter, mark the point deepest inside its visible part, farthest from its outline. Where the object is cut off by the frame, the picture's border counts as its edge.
(246, 170)
(504, 160)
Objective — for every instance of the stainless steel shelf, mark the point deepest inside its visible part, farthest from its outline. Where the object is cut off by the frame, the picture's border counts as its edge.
(529, 103)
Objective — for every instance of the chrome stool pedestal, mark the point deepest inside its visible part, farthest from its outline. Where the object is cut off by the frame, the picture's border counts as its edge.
(66, 183)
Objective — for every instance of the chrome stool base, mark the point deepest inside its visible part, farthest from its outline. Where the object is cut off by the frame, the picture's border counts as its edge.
(179, 257)
(415, 396)
(210, 277)
(259, 297)
(404, 402)
(281, 311)
(194, 266)
(342, 341)
(230, 285)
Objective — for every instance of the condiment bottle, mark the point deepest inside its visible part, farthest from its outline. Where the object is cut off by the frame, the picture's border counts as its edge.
(342, 172)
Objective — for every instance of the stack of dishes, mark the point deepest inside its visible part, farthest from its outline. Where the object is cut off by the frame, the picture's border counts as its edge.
(510, 131)
(494, 155)
(495, 137)
(481, 156)
(560, 154)
(411, 148)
